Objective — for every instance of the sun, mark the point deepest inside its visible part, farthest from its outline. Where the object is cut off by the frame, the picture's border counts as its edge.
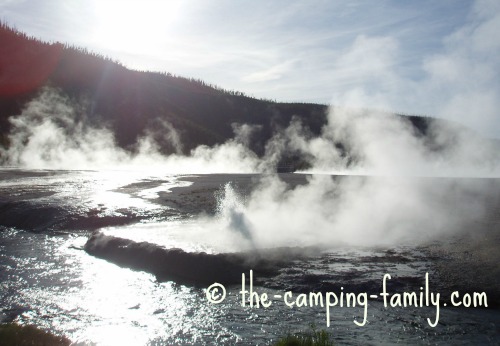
(133, 26)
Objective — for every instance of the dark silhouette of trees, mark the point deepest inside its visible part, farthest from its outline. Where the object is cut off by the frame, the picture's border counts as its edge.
(129, 102)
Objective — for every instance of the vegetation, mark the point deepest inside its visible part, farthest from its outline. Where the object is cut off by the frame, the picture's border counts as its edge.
(311, 338)
(133, 103)
(12, 334)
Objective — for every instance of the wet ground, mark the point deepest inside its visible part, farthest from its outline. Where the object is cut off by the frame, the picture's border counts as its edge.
(47, 279)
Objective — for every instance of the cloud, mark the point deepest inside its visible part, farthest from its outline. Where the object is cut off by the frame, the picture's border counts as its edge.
(466, 75)
(367, 59)
(273, 73)
(434, 58)
(459, 80)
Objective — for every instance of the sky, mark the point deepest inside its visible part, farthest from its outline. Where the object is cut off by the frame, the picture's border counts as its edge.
(427, 57)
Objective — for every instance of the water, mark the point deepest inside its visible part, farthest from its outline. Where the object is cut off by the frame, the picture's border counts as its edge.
(46, 278)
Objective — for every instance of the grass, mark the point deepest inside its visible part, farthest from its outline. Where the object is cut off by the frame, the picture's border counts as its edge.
(12, 334)
(311, 338)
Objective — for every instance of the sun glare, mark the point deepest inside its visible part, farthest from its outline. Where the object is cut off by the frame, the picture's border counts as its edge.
(133, 26)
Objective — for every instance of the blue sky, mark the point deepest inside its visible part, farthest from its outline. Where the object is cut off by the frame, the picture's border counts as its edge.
(422, 57)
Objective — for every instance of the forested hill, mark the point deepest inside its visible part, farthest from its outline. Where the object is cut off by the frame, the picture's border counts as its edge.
(130, 102)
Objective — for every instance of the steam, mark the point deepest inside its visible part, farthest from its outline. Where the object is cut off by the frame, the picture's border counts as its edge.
(385, 200)
(231, 213)
(331, 211)
(53, 132)
(163, 133)
(361, 211)
(393, 185)
(368, 142)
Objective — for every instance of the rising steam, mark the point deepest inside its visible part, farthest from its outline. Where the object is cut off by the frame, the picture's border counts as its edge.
(53, 132)
(353, 210)
(385, 198)
(396, 185)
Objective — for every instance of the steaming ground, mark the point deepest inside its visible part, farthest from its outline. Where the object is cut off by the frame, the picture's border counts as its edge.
(55, 131)
(308, 210)
(265, 217)
(390, 199)
(47, 279)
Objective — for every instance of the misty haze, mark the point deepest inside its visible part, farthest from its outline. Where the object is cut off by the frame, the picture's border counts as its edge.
(126, 190)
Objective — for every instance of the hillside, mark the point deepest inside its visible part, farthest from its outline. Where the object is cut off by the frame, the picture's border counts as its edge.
(131, 102)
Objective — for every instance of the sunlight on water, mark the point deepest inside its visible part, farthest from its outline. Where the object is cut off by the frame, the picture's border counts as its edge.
(92, 196)
(102, 190)
(226, 231)
(189, 235)
(165, 188)
(96, 301)
(46, 279)
(116, 200)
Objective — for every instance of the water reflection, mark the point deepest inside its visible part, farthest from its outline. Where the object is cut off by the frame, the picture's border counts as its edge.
(47, 280)
(91, 300)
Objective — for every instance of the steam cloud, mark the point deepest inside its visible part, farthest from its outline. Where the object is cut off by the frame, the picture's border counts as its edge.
(399, 186)
(381, 143)
(385, 198)
(53, 133)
